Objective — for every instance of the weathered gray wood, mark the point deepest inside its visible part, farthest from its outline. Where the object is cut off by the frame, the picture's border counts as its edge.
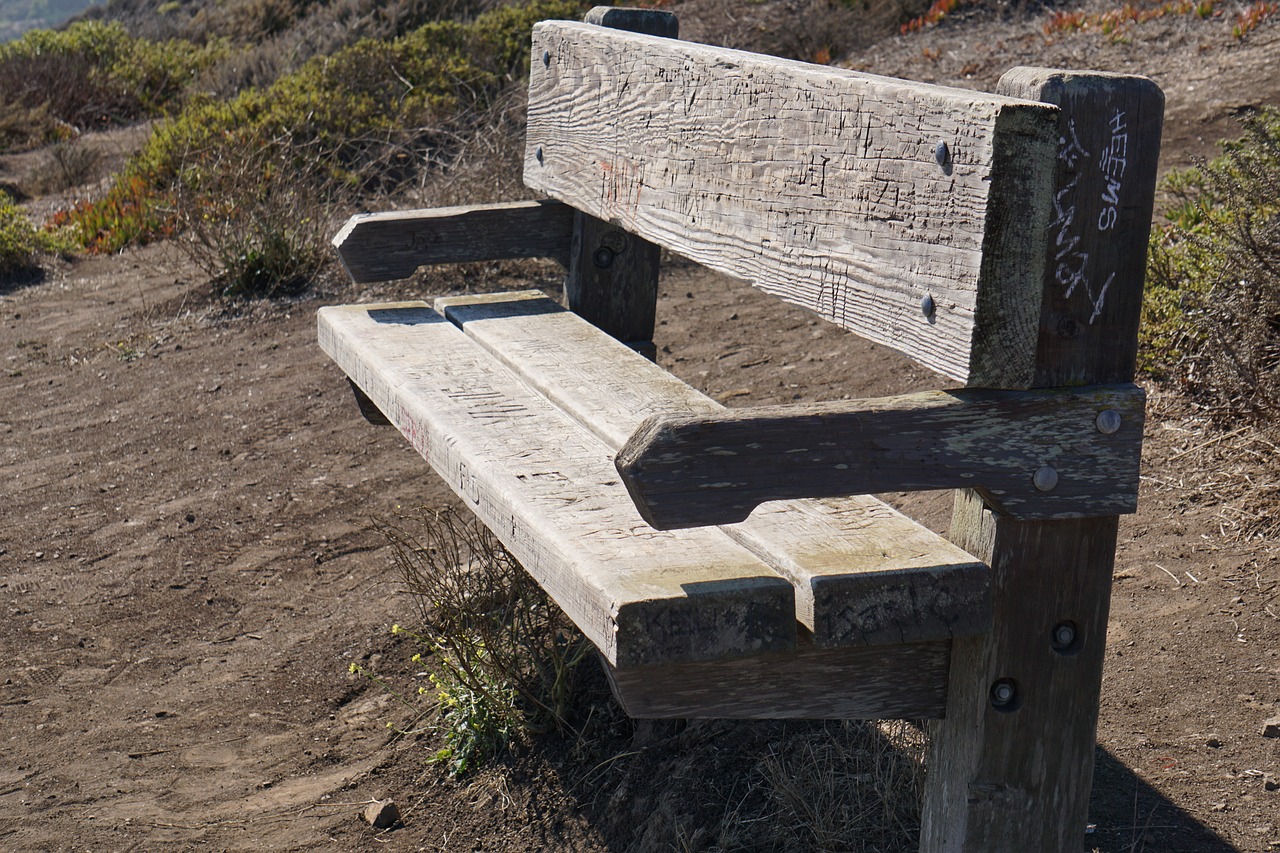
(820, 185)
(1016, 778)
(863, 572)
(655, 22)
(546, 489)
(1104, 191)
(613, 275)
(1032, 454)
(392, 245)
(884, 682)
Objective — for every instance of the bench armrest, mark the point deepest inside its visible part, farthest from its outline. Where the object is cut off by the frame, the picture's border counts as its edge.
(1060, 453)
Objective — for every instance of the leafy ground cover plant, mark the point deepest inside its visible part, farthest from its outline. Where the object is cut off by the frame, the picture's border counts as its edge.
(22, 244)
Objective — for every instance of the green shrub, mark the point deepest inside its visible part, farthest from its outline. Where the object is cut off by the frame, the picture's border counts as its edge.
(365, 120)
(1212, 310)
(22, 243)
(91, 75)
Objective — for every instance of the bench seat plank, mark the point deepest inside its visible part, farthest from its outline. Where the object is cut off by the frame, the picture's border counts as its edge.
(548, 490)
(864, 573)
(862, 198)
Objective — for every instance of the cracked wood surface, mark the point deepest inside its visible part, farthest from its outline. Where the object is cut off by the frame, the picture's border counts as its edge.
(822, 186)
(863, 572)
(548, 491)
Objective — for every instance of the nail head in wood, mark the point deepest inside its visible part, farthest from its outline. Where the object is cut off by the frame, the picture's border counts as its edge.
(942, 154)
(1109, 421)
(928, 307)
(1045, 479)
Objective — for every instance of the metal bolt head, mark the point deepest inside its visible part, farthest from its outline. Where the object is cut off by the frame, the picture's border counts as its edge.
(538, 154)
(546, 58)
(1045, 479)
(1064, 636)
(1109, 421)
(927, 306)
(603, 257)
(1003, 693)
(942, 154)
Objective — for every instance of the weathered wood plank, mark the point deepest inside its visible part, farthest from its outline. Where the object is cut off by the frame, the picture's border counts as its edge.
(883, 682)
(613, 275)
(823, 186)
(1010, 776)
(863, 572)
(392, 245)
(546, 489)
(1033, 454)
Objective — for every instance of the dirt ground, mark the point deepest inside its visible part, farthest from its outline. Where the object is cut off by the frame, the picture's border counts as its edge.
(187, 567)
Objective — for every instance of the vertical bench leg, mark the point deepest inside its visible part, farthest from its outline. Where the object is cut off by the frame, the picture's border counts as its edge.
(1011, 764)
(1010, 767)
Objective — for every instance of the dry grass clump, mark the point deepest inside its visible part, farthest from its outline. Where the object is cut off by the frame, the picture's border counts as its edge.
(506, 659)
(1198, 462)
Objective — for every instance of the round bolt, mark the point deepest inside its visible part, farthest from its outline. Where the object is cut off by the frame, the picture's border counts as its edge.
(927, 306)
(942, 154)
(546, 58)
(603, 257)
(1108, 421)
(538, 154)
(1064, 636)
(1003, 693)
(1046, 479)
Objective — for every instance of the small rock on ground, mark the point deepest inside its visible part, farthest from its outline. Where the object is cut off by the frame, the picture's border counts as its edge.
(382, 814)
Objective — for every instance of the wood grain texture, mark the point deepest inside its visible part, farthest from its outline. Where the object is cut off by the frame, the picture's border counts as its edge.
(546, 488)
(613, 279)
(819, 185)
(1017, 779)
(1011, 780)
(1104, 190)
(886, 682)
(863, 572)
(392, 245)
(693, 470)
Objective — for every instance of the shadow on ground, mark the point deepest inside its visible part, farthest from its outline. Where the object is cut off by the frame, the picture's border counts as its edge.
(1132, 817)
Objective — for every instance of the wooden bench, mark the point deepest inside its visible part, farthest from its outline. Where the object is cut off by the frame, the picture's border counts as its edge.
(728, 563)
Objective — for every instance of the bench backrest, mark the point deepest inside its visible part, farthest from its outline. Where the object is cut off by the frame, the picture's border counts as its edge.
(914, 215)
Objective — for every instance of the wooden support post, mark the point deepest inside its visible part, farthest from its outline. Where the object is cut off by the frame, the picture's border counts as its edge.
(613, 274)
(1010, 768)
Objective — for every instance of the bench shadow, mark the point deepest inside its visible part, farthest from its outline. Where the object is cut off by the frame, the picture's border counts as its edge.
(1130, 816)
